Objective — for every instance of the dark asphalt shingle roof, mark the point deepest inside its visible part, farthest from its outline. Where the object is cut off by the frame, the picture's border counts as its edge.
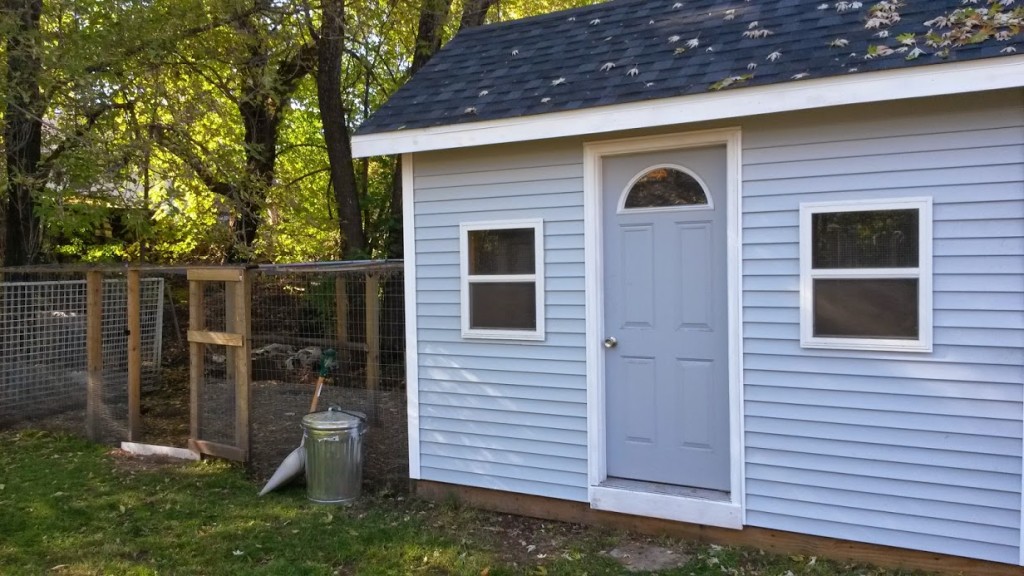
(632, 50)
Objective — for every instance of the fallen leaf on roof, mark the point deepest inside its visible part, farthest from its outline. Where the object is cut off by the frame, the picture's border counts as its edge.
(731, 80)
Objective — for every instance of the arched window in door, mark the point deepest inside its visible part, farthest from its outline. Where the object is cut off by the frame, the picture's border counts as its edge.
(664, 187)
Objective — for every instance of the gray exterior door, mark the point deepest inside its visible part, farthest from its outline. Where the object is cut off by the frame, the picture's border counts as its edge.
(665, 305)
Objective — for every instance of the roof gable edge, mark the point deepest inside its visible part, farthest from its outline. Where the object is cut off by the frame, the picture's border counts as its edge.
(933, 80)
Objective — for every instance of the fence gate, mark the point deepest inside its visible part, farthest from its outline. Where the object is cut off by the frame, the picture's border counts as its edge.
(219, 410)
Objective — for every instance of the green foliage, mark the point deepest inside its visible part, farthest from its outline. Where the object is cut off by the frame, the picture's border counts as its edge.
(140, 102)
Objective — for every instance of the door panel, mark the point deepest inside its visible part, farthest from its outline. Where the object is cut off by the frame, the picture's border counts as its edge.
(666, 382)
(694, 276)
(637, 263)
(695, 379)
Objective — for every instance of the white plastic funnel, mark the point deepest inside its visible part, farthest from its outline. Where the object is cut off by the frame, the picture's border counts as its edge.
(292, 466)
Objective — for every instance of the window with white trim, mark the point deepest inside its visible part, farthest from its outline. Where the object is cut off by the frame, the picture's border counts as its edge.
(866, 275)
(502, 265)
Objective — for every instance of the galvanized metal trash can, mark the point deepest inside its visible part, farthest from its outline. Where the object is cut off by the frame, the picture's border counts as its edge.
(334, 455)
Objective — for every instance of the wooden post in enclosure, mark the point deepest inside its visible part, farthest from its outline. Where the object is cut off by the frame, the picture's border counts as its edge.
(372, 334)
(93, 351)
(238, 338)
(341, 306)
(196, 354)
(242, 296)
(134, 356)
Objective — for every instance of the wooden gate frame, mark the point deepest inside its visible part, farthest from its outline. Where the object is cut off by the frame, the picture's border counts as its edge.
(238, 339)
(94, 353)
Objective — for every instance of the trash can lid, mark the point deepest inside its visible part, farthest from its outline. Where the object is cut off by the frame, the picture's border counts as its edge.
(333, 419)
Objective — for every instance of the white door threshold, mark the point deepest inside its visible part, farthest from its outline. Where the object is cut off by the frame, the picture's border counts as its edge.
(627, 497)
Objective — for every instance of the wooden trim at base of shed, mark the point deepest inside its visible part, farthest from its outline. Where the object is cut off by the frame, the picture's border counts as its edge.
(775, 541)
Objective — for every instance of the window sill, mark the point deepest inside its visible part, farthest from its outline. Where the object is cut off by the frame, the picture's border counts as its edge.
(869, 345)
(503, 335)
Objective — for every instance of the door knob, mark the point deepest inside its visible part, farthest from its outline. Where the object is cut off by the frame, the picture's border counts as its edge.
(610, 342)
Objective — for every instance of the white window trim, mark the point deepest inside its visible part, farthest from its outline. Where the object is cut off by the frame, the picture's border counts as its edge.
(683, 207)
(537, 278)
(923, 273)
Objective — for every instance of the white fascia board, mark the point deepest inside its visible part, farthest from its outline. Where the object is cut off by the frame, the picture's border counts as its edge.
(855, 88)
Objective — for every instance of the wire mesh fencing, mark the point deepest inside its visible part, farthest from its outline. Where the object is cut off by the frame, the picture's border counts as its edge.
(44, 347)
(165, 371)
(342, 323)
(42, 344)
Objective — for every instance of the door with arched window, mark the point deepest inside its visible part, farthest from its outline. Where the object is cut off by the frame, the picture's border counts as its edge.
(666, 318)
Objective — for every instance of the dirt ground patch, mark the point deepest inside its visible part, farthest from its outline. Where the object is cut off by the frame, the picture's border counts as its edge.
(276, 411)
(523, 542)
(647, 557)
(132, 463)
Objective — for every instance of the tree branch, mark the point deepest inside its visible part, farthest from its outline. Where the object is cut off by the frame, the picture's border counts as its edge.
(73, 140)
(293, 70)
(172, 139)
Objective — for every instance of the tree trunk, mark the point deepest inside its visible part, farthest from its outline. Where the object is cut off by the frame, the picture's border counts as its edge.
(332, 115)
(433, 15)
(261, 124)
(474, 13)
(266, 89)
(428, 41)
(23, 133)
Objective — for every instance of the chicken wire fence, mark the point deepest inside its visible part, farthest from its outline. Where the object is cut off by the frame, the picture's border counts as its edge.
(43, 347)
(342, 320)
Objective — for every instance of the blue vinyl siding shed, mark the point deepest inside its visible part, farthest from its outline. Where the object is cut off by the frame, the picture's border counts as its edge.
(494, 415)
(914, 448)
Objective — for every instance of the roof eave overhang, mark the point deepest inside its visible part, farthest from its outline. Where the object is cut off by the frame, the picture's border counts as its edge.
(857, 88)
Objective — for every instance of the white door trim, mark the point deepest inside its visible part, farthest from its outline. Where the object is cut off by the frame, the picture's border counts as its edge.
(729, 513)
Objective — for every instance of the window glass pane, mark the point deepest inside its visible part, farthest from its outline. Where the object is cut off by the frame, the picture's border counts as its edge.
(867, 239)
(503, 305)
(663, 187)
(876, 308)
(501, 251)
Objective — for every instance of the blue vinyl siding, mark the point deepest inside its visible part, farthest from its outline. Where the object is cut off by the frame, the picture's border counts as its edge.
(505, 415)
(904, 449)
(918, 450)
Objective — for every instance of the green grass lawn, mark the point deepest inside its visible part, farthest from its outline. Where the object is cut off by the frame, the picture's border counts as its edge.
(70, 507)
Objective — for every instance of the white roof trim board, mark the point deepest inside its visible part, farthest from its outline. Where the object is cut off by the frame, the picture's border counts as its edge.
(861, 88)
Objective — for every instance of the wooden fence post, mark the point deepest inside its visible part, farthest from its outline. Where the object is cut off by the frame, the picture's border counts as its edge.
(134, 356)
(197, 355)
(341, 306)
(372, 333)
(93, 352)
(242, 325)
